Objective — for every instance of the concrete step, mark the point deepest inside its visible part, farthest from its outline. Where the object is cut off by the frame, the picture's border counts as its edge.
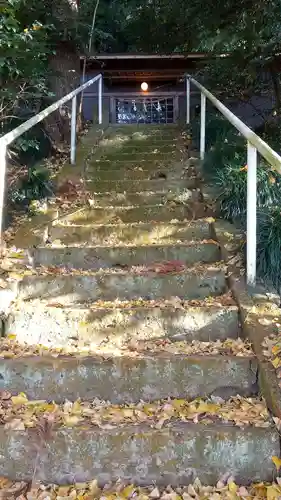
(193, 283)
(145, 198)
(127, 215)
(132, 234)
(142, 185)
(147, 163)
(141, 453)
(91, 325)
(128, 379)
(136, 174)
(148, 147)
(106, 257)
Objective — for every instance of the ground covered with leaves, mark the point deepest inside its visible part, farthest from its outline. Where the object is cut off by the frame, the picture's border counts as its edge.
(225, 489)
(10, 348)
(20, 413)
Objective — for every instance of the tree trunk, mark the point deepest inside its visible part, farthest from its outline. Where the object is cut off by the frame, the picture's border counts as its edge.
(65, 76)
(64, 68)
(276, 85)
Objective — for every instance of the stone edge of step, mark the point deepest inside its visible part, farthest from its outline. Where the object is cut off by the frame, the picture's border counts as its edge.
(250, 314)
(80, 447)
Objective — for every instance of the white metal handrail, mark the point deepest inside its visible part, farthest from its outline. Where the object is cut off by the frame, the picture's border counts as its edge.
(24, 127)
(254, 144)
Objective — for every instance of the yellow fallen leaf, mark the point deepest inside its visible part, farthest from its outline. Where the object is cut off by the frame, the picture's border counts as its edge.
(277, 462)
(128, 491)
(11, 336)
(273, 492)
(76, 408)
(71, 420)
(276, 349)
(178, 403)
(207, 407)
(21, 399)
(232, 486)
(276, 363)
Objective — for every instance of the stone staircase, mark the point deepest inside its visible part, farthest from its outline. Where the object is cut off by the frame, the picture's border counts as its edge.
(134, 364)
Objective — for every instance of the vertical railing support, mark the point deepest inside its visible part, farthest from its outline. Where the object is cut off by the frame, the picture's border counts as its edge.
(202, 126)
(100, 101)
(187, 101)
(251, 214)
(73, 131)
(3, 162)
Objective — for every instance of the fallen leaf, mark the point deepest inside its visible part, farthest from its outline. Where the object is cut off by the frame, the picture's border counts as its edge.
(71, 420)
(273, 492)
(21, 399)
(277, 462)
(155, 493)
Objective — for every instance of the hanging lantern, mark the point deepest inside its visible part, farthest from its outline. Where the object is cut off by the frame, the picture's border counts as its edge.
(144, 86)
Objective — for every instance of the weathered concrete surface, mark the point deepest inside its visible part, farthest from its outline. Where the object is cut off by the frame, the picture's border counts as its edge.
(128, 379)
(69, 289)
(145, 198)
(133, 173)
(142, 455)
(124, 215)
(142, 185)
(133, 234)
(106, 257)
(36, 323)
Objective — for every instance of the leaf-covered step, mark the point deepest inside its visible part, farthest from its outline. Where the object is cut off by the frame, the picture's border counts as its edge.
(194, 283)
(139, 444)
(131, 173)
(129, 378)
(222, 490)
(124, 215)
(119, 323)
(125, 257)
(145, 198)
(160, 184)
(131, 234)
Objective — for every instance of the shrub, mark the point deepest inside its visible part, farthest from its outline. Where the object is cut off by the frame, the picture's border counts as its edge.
(232, 183)
(269, 245)
(35, 186)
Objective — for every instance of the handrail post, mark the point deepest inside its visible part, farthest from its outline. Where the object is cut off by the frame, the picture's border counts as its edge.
(73, 131)
(3, 163)
(251, 214)
(187, 101)
(202, 126)
(100, 100)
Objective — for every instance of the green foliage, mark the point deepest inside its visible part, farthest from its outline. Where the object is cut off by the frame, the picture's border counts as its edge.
(232, 183)
(35, 186)
(23, 70)
(269, 245)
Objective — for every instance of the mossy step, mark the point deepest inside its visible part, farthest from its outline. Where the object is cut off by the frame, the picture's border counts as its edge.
(140, 454)
(124, 215)
(132, 234)
(146, 163)
(161, 156)
(194, 283)
(142, 185)
(128, 174)
(145, 198)
(147, 147)
(90, 325)
(128, 379)
(105, 257)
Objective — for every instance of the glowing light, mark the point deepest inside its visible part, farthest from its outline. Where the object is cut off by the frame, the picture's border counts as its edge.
(144, 86)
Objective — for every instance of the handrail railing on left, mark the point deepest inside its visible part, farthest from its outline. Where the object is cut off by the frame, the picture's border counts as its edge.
(254, 144)
(24, 127)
